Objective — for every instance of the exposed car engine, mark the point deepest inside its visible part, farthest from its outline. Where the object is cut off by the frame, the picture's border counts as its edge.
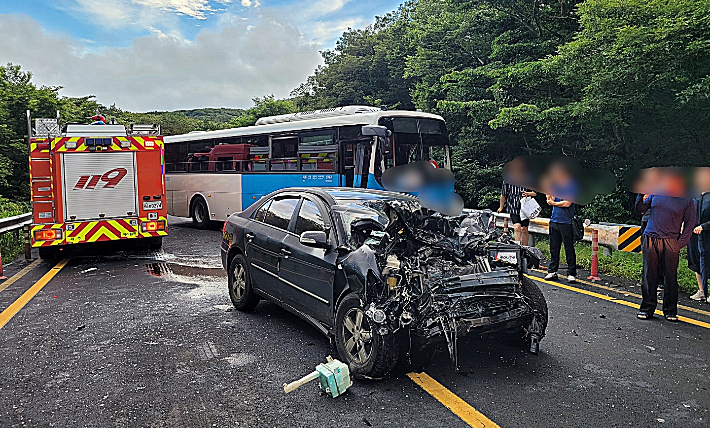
(423, 276)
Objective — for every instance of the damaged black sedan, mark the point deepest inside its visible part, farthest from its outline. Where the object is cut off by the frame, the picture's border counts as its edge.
(386, 279)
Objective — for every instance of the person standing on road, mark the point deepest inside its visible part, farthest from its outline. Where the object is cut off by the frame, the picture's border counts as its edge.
(669, 229)
(561, 233)
(510, 197)
(645, 215)
(699, 247)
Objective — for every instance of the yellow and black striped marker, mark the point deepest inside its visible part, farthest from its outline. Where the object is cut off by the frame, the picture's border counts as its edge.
(630, 239)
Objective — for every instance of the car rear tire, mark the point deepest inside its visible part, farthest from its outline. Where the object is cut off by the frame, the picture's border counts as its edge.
(359, 344)
(200, 213)
(239, 282)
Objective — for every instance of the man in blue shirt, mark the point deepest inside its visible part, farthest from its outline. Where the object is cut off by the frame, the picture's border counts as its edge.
(561, 233)
(669, 229)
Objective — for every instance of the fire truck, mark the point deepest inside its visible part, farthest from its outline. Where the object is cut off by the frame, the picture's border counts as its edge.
(95, 183)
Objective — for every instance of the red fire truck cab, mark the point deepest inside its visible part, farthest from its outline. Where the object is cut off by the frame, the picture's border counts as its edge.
(94, 183)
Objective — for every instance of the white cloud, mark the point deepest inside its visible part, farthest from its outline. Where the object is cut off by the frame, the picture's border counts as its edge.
(193, 8)
(226, 66)
(324, 31)
(324, 7)
(246, 3)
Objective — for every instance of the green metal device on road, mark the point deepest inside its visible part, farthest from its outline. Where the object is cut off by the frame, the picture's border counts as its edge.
(334, 377)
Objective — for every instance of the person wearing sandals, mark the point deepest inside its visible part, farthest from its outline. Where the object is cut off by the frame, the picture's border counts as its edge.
(699, 247)
(669, 229)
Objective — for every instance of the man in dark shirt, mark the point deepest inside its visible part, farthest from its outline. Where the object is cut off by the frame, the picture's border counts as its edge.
(645, 215)
(561, 233)
(669, 229)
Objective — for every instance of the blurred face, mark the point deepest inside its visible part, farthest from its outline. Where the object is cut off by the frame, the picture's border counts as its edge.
(661, 181)
(701, 180)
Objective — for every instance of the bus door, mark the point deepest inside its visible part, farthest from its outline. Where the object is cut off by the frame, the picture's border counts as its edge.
(362, 160)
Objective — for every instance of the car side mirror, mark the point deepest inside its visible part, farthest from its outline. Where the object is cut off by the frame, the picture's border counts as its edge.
(314, 238)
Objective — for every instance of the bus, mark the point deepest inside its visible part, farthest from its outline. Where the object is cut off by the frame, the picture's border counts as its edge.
(212, 174)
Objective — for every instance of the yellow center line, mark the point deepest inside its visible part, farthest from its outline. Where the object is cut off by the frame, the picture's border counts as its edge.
(619, 301)
(19, 274)
(616, 290)
(452, 401)
(20, 303)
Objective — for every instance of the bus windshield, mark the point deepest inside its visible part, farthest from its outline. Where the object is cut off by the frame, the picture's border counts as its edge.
(415, 139)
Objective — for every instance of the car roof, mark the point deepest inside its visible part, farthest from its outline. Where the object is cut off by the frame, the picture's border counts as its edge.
(348, 195)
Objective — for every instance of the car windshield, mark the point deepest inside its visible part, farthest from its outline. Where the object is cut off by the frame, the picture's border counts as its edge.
(355, 213)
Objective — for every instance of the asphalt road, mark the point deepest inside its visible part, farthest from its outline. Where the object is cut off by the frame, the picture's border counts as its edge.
(148, 339)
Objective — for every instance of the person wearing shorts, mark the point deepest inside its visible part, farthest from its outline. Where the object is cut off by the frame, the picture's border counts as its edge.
(510, 197)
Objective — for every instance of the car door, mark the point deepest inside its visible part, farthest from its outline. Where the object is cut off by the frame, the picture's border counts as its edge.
(264, 243)
(307, 270)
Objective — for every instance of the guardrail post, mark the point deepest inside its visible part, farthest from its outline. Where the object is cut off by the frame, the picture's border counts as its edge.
(594, 274)
(2, 275)
(505, 225)
(28, 248)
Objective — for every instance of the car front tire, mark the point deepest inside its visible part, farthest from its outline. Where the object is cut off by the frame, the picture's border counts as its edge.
(359, 344)
(239, 282)
(537, 301)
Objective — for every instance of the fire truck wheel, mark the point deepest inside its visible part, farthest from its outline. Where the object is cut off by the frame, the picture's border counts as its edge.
(155, 243)
(200, 214)
(48, 253)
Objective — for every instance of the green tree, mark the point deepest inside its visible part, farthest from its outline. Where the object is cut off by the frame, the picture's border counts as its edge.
(366, 66)
(264, 106)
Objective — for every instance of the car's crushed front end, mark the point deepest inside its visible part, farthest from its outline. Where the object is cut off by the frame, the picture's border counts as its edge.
(429, 277)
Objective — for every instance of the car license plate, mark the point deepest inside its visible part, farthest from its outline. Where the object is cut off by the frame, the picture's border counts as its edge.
(508, 257)
(152, 205)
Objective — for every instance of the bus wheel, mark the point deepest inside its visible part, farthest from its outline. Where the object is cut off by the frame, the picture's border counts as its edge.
(200, 214)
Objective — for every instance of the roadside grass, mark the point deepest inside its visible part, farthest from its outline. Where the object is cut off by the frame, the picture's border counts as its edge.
(11, 243)
(621, 264)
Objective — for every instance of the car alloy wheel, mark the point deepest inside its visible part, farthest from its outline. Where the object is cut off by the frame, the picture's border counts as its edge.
(239, 285)
(357, 333)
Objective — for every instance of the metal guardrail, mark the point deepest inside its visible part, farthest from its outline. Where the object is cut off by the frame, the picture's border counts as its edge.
(15, 223)
(611, 236)
(9, 224)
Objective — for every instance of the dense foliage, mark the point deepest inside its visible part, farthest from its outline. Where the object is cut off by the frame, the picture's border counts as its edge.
(613, 83)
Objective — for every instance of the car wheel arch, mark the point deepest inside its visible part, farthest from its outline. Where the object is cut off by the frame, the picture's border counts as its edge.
(370, 274)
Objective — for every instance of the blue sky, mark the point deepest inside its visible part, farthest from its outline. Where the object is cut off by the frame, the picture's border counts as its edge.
(172, 54)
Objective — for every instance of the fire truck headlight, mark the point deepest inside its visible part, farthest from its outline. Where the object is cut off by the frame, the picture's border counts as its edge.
(149, 144)
(70, 144)
(125, 144)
